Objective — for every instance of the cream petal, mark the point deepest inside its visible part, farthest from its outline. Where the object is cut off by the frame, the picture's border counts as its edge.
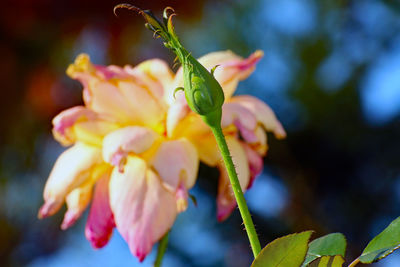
(119, 143)
(71, 169)
(263, 113)
(144, 108)
(176, 161)
(106, 98)
(63, 122)
(100, 223)
(225, 200)
(143, 210)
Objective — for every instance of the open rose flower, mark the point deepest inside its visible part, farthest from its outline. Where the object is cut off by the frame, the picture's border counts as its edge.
(135, 149)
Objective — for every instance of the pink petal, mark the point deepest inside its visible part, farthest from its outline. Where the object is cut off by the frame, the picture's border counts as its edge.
(100, 223)
(256, 163)
(143, 210)
(176, 161)
(242, 118)
(119, 143)
(71, 169)
(225, 200)
(263, 113)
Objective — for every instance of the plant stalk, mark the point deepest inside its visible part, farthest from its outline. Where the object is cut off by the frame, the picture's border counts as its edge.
(162, 247)
(237, 190)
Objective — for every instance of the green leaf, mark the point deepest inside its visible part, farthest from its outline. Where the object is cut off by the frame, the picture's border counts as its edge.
(383, 244)
(289, 250)
(328, 245)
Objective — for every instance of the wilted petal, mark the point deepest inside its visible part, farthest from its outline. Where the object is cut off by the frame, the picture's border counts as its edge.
(242, 118)
(143, 210)
(71, 169)
(100, 223)
(263, 113)
(77, 201)
(176, 161)
(226, 201)
(119, 143)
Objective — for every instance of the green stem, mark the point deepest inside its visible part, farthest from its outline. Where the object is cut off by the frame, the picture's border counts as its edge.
(162, 247)
(237, 190)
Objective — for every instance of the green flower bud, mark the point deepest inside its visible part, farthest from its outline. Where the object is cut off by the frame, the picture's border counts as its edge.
(204, 94)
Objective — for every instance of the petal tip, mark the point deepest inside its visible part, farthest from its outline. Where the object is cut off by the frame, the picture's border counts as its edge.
(49, 208)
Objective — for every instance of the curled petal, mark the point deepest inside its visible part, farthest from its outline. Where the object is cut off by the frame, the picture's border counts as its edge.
(63, 122)
(100, 223)
(225, 200)
(176, 161)
(71, 169)
(77, 201)
(242, 118)
(263, 113)
(119, 143)
(256, 163)
(143, 210)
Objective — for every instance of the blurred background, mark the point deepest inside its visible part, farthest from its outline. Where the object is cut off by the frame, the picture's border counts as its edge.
(331, 72)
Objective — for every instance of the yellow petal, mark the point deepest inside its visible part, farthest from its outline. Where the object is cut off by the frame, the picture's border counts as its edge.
(92, 132)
